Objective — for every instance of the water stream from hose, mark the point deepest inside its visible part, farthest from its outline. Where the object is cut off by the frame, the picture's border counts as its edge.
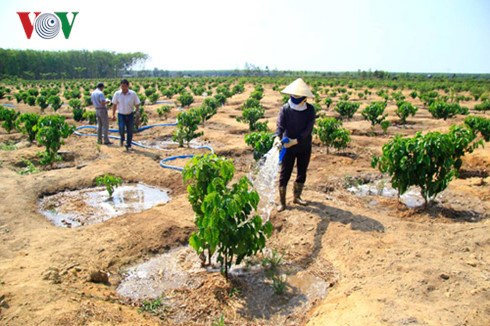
(263, 177)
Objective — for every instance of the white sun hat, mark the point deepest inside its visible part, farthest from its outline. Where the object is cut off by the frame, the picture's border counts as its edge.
(298, 88)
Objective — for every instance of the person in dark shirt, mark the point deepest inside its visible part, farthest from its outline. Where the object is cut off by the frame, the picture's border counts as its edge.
(295, 122)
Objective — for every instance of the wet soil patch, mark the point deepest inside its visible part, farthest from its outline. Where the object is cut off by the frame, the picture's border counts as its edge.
(76, 208)
(447, 204)
(166, 143)
(455, 214)
(178, 279)
(466, 174)
(350, 155)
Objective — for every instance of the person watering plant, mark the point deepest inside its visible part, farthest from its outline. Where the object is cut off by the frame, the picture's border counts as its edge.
(294, 129)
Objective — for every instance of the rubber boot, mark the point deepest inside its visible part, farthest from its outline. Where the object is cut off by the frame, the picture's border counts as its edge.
(282, 197)
(298, 189)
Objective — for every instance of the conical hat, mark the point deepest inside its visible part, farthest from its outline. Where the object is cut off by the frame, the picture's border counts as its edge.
(298, 88)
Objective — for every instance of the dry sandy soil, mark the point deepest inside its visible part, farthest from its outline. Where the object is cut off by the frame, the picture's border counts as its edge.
(386, 264)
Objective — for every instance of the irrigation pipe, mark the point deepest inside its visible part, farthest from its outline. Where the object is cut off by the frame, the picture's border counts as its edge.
(163, 161)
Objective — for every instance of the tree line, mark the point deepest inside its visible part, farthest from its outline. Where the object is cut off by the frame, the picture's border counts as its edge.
(33, 64)
(355, 75)
(46, 65)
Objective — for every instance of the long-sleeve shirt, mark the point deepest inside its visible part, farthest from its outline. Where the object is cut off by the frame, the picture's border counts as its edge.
(296, 124)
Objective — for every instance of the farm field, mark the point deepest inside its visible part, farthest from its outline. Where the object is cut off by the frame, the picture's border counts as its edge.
(382, 262)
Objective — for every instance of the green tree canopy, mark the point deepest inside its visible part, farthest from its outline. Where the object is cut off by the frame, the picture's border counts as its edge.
(32, 64)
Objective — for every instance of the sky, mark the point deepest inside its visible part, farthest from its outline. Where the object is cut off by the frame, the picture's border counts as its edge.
(449, 36)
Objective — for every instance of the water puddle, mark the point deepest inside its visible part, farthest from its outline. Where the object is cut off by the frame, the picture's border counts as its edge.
(167, 144)
(169, 271)
(412, 198)
(168, 102)
(263, 178)
(173, 274)
(93, 205)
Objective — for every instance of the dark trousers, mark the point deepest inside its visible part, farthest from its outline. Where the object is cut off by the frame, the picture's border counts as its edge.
(302, 158)
(126, 122)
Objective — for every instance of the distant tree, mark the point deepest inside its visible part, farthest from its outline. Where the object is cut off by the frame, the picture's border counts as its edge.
(33, 64)
(404, 110)
(163, 111)
(25, 123)
(55, 102)
(443, 110)
(374, 113)
(220, 98)
(347, 109)
(251, 116)
(331, 133)
(8, 116)
(187, 125)
(185, 99)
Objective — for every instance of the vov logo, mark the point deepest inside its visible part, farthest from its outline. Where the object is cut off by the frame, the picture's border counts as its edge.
(47, 25)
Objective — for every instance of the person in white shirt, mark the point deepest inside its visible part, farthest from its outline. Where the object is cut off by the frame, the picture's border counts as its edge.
(99, 101)
(125, 101)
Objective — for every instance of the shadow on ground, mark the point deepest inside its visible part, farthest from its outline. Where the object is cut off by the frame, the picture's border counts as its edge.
(329, 214)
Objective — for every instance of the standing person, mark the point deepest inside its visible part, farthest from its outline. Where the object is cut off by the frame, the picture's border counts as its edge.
(100, 102)
(295, 122)
(124, 101)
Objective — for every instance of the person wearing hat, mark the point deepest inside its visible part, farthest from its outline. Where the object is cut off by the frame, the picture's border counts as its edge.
(294, 129)
(100, 102)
